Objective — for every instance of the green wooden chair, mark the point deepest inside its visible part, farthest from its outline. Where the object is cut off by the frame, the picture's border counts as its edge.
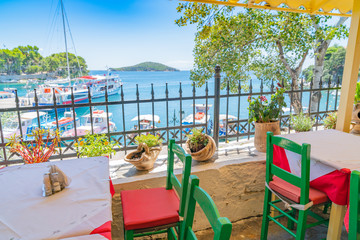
(354, 213)
(293, 190)
(221, 225)
(158, 210)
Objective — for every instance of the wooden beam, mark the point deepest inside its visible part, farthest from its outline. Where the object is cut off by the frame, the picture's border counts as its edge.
(351, 72)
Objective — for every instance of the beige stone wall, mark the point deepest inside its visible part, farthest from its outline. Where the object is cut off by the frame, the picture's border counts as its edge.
(236, 188)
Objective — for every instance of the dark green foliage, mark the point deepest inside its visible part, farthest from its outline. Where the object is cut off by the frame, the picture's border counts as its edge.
(146, 66)
(333, 65)
(27, 59)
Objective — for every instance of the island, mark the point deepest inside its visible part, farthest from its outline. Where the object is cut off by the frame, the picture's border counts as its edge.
(147, 66)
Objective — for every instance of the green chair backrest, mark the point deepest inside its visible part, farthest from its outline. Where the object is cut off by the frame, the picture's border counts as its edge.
(172, 181)
(221, 225)
(271, 169)
(354, 217)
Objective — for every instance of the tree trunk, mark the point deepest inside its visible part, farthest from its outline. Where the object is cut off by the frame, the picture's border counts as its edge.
(294, 74)
(320, 51)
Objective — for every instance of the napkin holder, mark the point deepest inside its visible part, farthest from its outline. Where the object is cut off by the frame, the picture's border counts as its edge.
(54, 181)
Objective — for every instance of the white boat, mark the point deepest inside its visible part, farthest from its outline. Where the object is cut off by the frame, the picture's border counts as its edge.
(97, 85)
(65, 123)
(146, 121)
(99, 119)
(231, 130)
(11, 90)
(28, 120)
(4, 94)
(200, 118)
(62, 95)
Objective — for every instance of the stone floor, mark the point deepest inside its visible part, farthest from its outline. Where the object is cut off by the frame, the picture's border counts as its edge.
(246, 229)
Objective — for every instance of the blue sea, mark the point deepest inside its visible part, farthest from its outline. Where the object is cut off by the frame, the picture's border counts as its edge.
(144, 80)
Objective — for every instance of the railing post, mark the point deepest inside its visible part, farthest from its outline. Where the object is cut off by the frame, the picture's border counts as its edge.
(217, 105)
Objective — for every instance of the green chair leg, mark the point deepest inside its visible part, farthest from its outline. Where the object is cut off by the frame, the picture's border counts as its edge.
(266, 212)
(291, 223)
(171, 234)
(301, 227)
(129, 234)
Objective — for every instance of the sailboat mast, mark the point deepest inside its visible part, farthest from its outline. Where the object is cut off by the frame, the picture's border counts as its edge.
(66, 48)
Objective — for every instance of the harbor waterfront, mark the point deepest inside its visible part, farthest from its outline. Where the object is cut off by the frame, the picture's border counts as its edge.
(139, 86)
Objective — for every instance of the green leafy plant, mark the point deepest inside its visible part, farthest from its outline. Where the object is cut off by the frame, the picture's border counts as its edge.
(262, 111)
(150, 140)
(197, 140)
(330, 121)
(302, 122)
(94, 145)
(357, 93)
(38, 150)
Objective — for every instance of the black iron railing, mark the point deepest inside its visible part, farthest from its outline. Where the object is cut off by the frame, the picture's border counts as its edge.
(233, 102)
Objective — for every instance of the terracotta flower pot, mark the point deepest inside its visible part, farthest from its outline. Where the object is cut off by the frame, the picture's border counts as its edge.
(205, 153)
(147, 158)
(260, 133)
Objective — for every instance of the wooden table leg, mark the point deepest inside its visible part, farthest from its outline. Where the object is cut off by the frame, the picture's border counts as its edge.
(337, 215)
(272, 210)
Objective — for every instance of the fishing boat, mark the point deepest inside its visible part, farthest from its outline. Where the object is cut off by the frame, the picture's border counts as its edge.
(97, 85)
(64, 124)
(28, 119)
(10, 89)
(62, 96)
(200, 118)
(231, 128)
(4, 95)
(146, 121)
(99, 123)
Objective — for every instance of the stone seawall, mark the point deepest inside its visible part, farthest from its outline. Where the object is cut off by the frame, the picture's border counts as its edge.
(26, 76)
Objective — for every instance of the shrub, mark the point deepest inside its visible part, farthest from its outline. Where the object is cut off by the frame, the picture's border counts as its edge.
(197, 140)
(330, 121)
(95, 145)
(302, 122)
(357, 93)
(150, 140)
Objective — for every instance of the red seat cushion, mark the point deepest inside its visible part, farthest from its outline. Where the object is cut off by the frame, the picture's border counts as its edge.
(293, 193)
(145, 208)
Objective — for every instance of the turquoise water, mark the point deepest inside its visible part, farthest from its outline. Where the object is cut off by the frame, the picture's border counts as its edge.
(159, 79)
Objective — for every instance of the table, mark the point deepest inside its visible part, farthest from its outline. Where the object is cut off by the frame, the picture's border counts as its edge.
(333, 155)
(76, 211)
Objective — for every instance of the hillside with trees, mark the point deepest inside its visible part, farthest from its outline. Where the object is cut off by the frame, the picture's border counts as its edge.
(28, 60)
(147, 66)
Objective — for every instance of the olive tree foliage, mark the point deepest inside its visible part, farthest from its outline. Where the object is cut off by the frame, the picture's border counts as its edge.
(272, 45)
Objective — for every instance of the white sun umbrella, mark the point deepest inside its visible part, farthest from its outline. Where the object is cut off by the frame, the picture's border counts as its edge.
(223, 116)
(147, 117)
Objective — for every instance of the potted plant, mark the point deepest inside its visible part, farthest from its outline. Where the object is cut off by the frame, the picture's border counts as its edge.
(95, 145)
(330, 121)
(199, 145)
(38, 150)
(265, 115)
(144, 157)
(302, 122)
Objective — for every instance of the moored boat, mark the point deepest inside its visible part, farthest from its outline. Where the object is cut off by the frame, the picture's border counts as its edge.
(99, 123)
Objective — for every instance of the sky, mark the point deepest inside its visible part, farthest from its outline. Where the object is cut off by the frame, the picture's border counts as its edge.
(113, 33)
(107, 33)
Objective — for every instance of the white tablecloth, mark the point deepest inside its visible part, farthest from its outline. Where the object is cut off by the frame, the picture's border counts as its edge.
(75, 211)
(330, 150)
